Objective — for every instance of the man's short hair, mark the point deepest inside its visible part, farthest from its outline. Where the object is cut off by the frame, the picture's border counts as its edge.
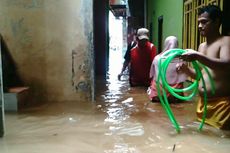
(213, 11)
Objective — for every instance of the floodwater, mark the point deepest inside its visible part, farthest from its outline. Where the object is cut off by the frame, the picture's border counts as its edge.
(119, 121)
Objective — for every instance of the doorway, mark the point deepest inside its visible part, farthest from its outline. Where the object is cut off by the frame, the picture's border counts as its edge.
(117, 44)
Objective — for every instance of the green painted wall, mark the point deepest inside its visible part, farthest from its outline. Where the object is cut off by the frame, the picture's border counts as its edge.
(172, 11)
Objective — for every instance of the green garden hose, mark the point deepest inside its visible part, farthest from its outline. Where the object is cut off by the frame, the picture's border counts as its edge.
(163, 63)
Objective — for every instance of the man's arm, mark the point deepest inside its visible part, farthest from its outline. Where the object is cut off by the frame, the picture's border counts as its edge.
(125, 64)
(223, 62)
(127, 58)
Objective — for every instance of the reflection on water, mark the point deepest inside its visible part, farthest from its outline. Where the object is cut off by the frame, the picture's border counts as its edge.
(118, 122)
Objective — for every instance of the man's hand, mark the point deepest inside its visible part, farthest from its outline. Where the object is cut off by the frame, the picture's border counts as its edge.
(182, 67)
(190, 55)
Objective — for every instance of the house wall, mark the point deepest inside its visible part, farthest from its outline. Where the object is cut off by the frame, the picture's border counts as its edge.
(51, 43)
(172, 11)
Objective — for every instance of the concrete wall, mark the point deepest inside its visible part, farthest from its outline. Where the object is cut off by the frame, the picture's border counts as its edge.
(172, 11)
(51, 42)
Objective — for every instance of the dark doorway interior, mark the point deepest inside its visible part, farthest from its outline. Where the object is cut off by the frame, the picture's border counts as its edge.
(226, 18)
(160, 31)
(100, 15)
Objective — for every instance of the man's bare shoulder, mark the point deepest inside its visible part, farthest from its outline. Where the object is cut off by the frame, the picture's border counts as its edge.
(225, 48)
(225, 39)
(224, 43)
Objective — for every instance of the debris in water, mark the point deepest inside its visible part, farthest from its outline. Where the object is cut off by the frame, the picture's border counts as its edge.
(174, 146)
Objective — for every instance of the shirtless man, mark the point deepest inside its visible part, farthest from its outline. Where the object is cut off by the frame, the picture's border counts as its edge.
(215, 54)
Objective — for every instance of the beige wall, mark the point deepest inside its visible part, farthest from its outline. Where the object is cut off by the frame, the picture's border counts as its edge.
(51, 43)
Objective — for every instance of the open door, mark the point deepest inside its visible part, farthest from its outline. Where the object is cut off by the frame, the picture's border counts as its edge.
(2, 118)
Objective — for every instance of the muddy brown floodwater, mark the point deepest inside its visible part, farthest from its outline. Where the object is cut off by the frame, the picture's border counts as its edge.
(117, 122)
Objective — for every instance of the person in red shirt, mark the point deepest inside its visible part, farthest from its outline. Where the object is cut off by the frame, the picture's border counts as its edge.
(140, 58)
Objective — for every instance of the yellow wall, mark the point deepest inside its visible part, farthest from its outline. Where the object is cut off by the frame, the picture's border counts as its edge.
(51, 43)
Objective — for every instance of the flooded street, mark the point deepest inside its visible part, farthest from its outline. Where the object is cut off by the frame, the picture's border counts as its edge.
(119, 121)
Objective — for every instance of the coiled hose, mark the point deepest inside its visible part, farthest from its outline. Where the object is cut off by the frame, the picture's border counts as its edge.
(163, 63)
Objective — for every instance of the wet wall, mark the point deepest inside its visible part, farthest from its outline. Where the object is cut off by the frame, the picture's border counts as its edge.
(51, 43)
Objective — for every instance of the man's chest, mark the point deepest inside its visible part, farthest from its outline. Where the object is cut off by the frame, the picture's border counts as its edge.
(212, 50)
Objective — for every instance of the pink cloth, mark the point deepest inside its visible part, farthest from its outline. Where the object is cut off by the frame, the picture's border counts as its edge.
(172, 75)
(152, 91)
